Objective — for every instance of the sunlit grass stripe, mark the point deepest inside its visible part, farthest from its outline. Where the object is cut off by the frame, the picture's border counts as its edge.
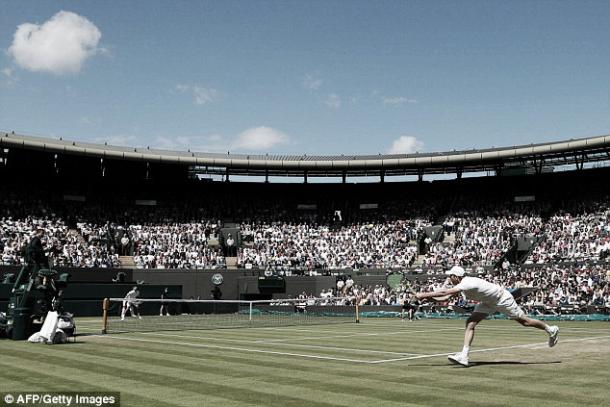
(267, 339)
(41, 376)
(322, 348)
(343, 392)
(241, 349)
(509, 391)
(236, 390)
(426, 382)
(14, 379)
(272, 378)
(375, 373)
(318, 384)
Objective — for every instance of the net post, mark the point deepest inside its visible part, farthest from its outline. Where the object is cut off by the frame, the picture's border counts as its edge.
(357, 313)
(105, 306)
(250, 313)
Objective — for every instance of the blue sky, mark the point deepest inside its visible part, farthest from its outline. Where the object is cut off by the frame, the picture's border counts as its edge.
(315, 77)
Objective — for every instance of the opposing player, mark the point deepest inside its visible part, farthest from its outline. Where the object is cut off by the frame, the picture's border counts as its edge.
(491, 298)
(164, 310)
(131, 302)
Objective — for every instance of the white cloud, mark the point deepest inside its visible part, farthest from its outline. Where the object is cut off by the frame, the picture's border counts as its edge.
(9, 76)
(260, 138)
(201, 95)
(8, 72)
(118, 140)
(60, 45)
(396, 100)
(254, 139)
(406, 145)
(333, 101)
(312, 82)
(213, 143)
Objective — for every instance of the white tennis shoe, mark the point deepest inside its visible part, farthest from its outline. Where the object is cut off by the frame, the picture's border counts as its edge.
(458, 359)
(553, 336)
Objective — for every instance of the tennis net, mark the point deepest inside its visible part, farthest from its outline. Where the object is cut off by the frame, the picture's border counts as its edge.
(147, 315)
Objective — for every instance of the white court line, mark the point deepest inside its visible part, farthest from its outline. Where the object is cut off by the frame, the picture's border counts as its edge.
(310, 338)
(528, 345)
(299, 345)
(359, 334)
(434, 328)
(201, 345)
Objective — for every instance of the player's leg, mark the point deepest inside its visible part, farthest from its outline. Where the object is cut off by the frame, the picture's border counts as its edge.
(462, 357)
(552, 330)
(133, 310)
(471, 324)
(509, 306)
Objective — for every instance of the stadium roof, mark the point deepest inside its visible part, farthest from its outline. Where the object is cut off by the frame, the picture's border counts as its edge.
(536, 156)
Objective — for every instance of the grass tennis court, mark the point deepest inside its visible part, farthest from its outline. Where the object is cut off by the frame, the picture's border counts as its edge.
(379, 362)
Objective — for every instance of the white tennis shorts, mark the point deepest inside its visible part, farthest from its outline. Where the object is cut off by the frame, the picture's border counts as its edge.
(507, 305)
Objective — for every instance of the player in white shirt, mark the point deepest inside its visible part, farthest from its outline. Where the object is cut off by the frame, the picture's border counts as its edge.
(131, 302)
(492, 298)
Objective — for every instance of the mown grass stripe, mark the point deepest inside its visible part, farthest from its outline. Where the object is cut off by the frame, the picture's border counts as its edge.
(285, 384)
(510, 392)
(37, 378)
(237, 390)
(356, 344)
(129, 383)
(244, 349)
(326, 348)
(425, 382)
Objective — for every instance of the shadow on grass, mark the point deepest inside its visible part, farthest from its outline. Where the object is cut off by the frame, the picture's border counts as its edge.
(512, 362)
(498, 362)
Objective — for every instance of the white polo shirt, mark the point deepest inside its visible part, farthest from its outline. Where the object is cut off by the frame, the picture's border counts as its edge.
(480, 290)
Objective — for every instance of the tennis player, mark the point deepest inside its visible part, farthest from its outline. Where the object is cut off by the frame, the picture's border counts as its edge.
(131, 302)
(164, 304)
(492, 298)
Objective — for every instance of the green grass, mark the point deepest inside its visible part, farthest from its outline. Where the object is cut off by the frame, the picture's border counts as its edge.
(379, 362)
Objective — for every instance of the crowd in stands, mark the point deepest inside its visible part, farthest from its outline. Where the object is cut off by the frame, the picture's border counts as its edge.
(556, 289)
(561, 288)
(183, 246)
(310, 246)
(569, 237)
(65, 247)
(185, 236)
(480, 238)
(567, 262)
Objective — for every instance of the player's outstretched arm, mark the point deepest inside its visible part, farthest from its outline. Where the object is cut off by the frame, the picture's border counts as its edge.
(446, 292)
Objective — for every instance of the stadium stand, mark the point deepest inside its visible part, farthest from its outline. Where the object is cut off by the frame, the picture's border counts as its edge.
(519, 230)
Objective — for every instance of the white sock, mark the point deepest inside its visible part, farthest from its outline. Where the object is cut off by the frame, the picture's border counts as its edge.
(465, 350)
(547, 328)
